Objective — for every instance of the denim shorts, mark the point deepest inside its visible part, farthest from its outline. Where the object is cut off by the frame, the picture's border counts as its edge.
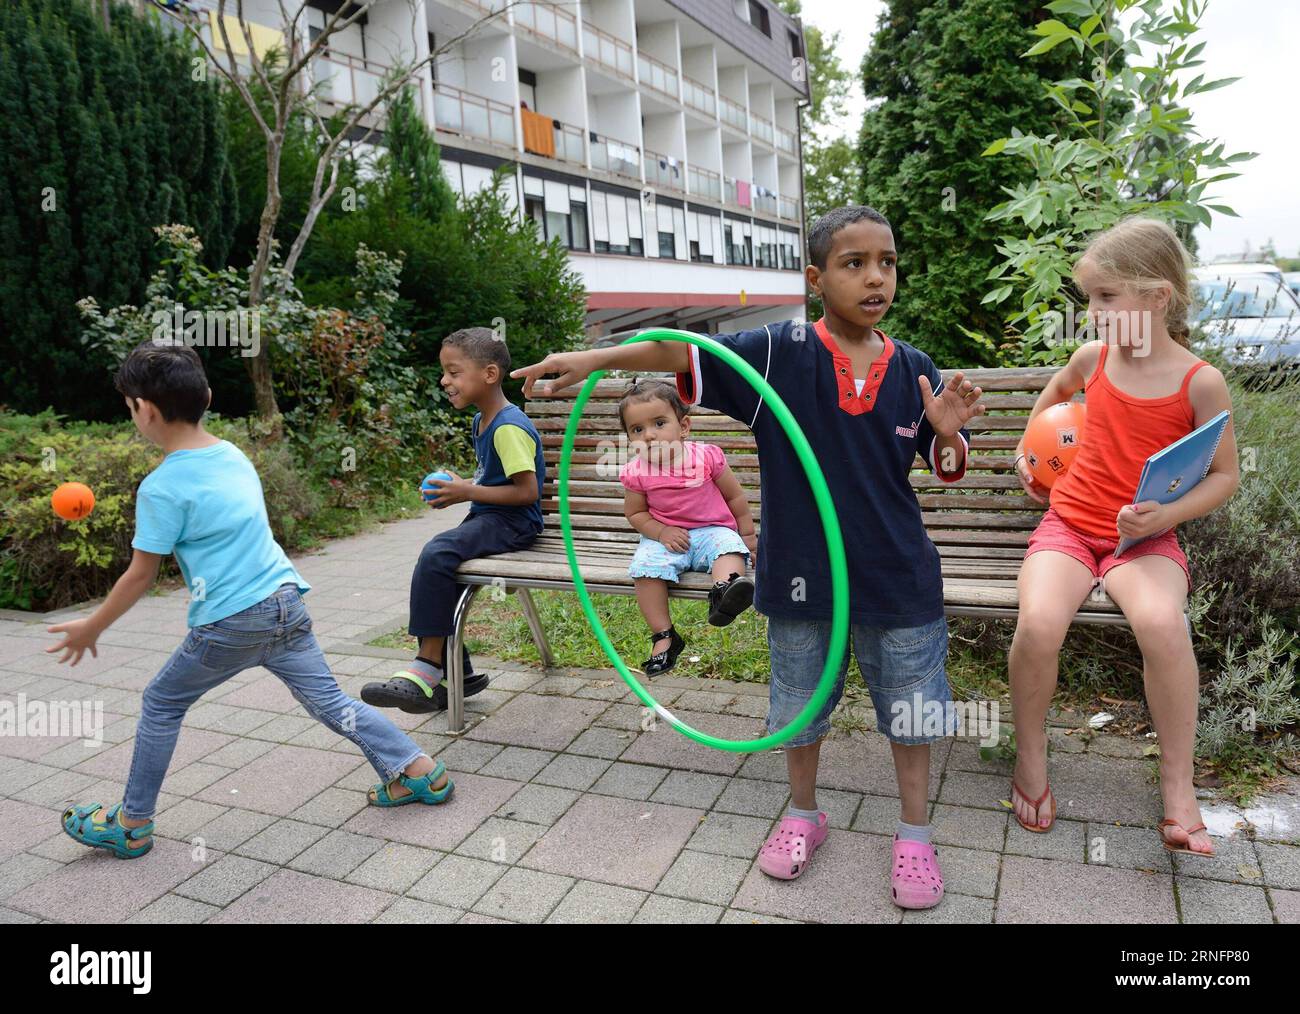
(653, 559)
(903, 668)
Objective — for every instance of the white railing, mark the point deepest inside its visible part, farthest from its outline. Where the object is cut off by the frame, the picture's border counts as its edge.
(657, 75)
(785, 140)
(787, 208)
(704, 182)
(663, 170)
(732, 113)
(697, 96)
(614, 156)
(460, 112)
(760, 128)
(549, 22)
(603, 48)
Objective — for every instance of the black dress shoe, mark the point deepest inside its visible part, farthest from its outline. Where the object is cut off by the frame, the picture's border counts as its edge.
(728, 599)
(664, 660)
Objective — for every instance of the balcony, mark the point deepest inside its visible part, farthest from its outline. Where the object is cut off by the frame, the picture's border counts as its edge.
(614, 156)
(613, 54)
(663, 171)
(760, 128)
(787, 208)
(704, 183)
(785, 140)
(484, 6)
(657, 75)
(549, 23)
(342, 81)
(548, 137)
(460, 112)
(733, 114)
(764, 200)
(698, 96)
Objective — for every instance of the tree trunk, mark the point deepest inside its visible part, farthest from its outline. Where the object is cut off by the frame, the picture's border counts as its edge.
(259, 366)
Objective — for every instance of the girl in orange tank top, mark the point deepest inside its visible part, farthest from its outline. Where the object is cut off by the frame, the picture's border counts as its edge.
(1135, 273)
(1119, 433)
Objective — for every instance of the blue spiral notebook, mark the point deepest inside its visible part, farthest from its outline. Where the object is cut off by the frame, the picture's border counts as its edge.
(1170, 473)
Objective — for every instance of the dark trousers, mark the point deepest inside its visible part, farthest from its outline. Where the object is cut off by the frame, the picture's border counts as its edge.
(434, 589)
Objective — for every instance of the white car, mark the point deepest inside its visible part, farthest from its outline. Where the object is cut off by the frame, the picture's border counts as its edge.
(1253, 318)
(1230, 269)
(1292, 280)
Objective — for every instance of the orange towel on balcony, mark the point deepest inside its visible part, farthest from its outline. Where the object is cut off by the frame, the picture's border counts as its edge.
(539, 135)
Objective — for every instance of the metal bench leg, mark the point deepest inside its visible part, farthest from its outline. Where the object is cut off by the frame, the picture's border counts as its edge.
(456, 662)
(535, 627)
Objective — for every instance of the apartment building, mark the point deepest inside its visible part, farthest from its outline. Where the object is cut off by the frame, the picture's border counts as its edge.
(657, 139)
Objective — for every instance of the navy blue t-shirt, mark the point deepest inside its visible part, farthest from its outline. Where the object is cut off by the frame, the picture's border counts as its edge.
(492, 472)
(865, 443)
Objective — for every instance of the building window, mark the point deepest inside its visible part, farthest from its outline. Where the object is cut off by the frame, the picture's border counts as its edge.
(570, 227)
(667, 245)
(794, 44)
(759, 19)
(616, 224)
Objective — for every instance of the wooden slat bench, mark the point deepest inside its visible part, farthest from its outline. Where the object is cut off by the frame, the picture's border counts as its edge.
(980, 524)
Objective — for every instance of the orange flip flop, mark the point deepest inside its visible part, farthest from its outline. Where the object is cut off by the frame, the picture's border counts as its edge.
(1016, 790)
(1189, 831)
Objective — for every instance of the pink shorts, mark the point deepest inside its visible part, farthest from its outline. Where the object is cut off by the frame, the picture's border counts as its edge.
(1097, 553)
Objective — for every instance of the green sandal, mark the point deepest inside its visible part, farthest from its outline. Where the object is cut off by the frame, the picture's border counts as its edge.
(79, 824)
(422, 790)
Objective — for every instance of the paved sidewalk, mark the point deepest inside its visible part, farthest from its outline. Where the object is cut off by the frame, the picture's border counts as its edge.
(566, 808)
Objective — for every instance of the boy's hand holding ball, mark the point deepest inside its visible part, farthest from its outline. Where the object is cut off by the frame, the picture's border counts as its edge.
(442, 489)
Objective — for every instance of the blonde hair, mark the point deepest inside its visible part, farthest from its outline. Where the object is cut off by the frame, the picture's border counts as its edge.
(1144, 253)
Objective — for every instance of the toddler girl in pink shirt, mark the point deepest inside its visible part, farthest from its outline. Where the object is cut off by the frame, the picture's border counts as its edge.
(691, 512)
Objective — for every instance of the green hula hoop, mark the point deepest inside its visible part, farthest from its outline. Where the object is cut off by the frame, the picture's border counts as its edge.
(830, 525)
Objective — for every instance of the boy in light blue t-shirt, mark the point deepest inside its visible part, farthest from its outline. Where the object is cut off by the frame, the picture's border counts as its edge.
(204, 503)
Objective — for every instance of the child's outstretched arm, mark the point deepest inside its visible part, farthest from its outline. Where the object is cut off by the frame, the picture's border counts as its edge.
(638, 515)
(80, 635)
(575, 367)
(1209, 396)
(738, 504)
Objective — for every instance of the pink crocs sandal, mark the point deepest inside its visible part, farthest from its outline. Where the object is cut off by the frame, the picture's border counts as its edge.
(916, 877)
(785, 855)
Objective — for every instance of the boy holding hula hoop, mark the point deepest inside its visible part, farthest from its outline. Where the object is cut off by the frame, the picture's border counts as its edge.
(867, 405)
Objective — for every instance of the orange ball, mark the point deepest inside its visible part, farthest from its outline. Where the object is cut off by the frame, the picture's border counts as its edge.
(1052, 440)
(73, 500)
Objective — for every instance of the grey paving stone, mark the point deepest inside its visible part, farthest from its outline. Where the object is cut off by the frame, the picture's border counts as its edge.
(465, 755)
(965, 756)
(457, 882)
(23, 825)
(1099, 788)
(23, 869)
(631, 781)
(602, 742)
(690, 788)
(501, 841)
(968, 871)
(1286, 907)
(876, 815)
(675, 911)
(1130, 848)
(395, 868)
(847, 880)
(664, 746)
(537, 721)
(333, 807)
(440, 826)
(102, 888)
(638, 841)
(753, 798)
(225, 880)
(569, 772)
(336, 855)
(1066, 840)
(515, 680)
(523, 896)
(735, 916)
(731, 834)
(239, 752)
(185, 818)
(172, 908)
(1233, 860)
(289, 896)
(839, 806)
(281, 841)
(968, 828)
(517, 763)
(955, 908)
(538, 804)
(555, 685)
(966, 788)
(701, 876)
(280, 781)
(9, 917)
(194, 778)
(1047, 891)
(590, 902)
(1117, 746)
(409, 910)
(1211, 901)
(1281, 864)
(1276, 816)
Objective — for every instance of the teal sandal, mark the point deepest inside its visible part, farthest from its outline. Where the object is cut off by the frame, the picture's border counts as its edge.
(79, 824)
(422, 790)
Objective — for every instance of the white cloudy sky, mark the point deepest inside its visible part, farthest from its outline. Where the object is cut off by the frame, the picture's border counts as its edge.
(1251, 39)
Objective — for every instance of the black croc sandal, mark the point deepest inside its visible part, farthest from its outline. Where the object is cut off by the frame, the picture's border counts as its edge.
(409, 693)
(728, 599)
(664, 660)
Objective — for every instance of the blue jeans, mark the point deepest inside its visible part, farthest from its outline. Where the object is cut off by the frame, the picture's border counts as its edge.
(275, 633)
(904, 669)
